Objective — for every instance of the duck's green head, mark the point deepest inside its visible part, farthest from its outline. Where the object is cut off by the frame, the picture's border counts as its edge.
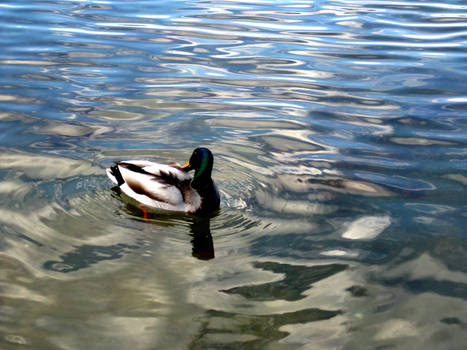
(201, 161)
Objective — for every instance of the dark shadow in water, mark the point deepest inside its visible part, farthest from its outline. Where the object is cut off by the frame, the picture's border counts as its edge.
(296, 281)
(297, 246)
(452, 321)
(87, 255)
(264, 329)
(419, 286)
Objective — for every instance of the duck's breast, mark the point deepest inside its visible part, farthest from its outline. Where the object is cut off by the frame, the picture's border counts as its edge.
(192, 200)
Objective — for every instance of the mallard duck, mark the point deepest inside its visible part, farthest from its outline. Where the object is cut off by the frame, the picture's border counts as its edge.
(169, 187)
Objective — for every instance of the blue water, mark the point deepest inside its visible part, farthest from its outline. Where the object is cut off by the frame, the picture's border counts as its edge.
(339, 134)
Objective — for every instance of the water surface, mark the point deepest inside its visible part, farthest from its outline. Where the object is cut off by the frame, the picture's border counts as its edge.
(339, 134)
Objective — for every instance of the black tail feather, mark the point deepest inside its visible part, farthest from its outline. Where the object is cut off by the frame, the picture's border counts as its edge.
(118, 176)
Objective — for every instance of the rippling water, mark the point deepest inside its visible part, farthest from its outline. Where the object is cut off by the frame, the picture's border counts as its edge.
(339, 131)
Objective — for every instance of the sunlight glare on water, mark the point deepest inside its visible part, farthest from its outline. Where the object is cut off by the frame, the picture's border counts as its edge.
(339, 133)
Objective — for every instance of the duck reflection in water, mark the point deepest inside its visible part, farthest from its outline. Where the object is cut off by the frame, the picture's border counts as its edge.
(203, 246)
(200, 225)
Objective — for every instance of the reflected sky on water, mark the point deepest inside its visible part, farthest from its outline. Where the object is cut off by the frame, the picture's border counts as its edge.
(338, 130)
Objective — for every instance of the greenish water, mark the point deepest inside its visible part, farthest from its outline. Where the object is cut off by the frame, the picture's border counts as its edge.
(339, 135)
